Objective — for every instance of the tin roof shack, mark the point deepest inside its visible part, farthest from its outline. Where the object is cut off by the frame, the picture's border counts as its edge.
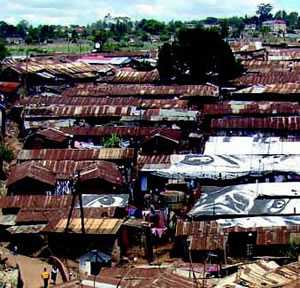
(258, 218)
(205, 92)
(273, 77)
(31, 177)
(285, 91)
(24, 231)
(47, 138)
(38, 72)
(246, 50)
(146, 276)
(134, 137)
(69, 159)
(37, 101)
(219, 169)
(100, 233)
(263, 273)
(251, 145)
(235, 118)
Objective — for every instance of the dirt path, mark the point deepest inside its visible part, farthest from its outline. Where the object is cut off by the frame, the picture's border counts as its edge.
(31, 269)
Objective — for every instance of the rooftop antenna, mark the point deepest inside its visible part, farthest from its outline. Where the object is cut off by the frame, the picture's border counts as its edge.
(76, 192)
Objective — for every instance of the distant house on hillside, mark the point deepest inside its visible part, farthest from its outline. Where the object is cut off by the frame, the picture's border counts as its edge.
(250, 27)
(14, 40)
(276, 26)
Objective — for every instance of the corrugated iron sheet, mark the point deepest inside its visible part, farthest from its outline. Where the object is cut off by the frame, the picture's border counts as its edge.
(101, 226)
(54, 111)
(106, 171)
(33, 201)
(88, 101)
(53, 134)
(270, 66)
(89, 90)
(275, 123)
(247, 108)
(284, 54)
(63, 169)
(208, 235)
(279, 88)
(153, 161)
(33, 171)
(133, 77)
(134, 132)
(77, 154)
(267, 78)
(72, 69)
(49, 172)
(40, 215)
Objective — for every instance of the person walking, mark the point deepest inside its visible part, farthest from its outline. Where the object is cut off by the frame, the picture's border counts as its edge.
(45, 276)
(54, 272)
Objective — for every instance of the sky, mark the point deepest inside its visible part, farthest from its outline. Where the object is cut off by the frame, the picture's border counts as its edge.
(82, 12)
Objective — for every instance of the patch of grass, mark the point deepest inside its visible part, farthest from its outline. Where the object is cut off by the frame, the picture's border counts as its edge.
(72, 48)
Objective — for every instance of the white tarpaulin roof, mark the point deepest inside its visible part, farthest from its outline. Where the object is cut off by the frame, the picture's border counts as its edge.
(226, 166)
(260, 221)
(260, 199)
(250, 145)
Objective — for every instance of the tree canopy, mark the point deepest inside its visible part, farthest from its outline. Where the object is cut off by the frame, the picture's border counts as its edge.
(198, 55)
(3, 51)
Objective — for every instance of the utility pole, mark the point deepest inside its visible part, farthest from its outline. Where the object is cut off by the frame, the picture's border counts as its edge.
(76, 192)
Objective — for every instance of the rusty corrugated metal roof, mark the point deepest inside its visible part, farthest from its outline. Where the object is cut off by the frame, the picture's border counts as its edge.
(55, 68)
(148, 161)
(54, 111)
(135, 132)
(77, 154)
(33, 201)
(133, 77)
(273, 77)
(48, 173)
(100, 226)
(209, 235)
(106, 171)
(33, 171)
(53, 134)
(278, 88)
(88, 101)
(274, 123)
(246, 108)
(40, 215)
(101, 90)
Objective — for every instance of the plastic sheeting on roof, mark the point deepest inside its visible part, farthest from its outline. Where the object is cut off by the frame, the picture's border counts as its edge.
(221, 167)
(249, 199)
(256, 145)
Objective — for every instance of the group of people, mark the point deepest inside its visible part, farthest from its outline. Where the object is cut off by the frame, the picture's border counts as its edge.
(46, 276)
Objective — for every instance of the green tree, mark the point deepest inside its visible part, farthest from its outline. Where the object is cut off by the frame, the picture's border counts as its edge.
(101, 36)
(197, 55)
(6, 155)
(112, 142)
(224, 28)
(281, 15)
(265, 31)
(292, 19)
(3, 50)
(166, 62)
(264, 12)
